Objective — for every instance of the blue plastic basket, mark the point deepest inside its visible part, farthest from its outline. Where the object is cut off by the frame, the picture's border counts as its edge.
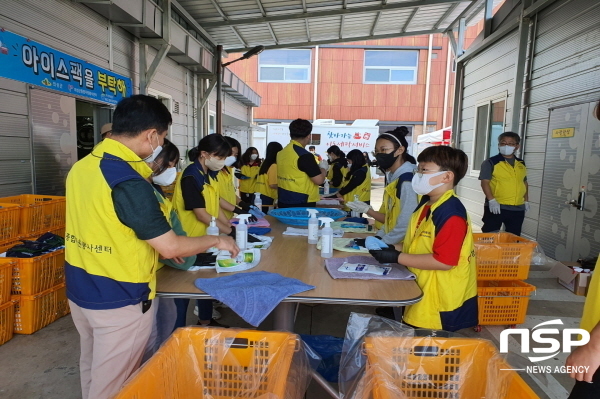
(332, 190)
(299, 216)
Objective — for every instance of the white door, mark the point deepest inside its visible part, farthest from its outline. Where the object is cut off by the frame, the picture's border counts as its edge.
(567, 228)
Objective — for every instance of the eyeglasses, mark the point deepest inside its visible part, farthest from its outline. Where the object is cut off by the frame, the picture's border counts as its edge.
(508, 144)
(422, 172)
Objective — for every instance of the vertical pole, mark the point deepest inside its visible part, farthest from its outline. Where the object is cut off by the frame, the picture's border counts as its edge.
(487, 21)
(446, 84)
(316, 83)
(427, 84)
(143, 68)
(219, 116)
(460, 46)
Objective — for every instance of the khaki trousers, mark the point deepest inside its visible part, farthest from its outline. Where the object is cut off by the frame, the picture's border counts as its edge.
(112, 345)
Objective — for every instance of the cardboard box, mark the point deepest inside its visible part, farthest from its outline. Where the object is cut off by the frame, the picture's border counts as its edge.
(575, 282)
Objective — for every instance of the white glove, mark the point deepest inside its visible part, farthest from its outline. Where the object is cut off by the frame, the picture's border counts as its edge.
(494, 206)
(527, 206)
(323, 165)
(359, 206)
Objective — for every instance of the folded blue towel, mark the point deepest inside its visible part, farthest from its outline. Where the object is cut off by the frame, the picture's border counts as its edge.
(252, 295)
(259, 231)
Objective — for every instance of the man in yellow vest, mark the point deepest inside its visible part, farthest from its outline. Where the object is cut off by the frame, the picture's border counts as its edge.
(298, 174)
(115, 232)
(504, 183)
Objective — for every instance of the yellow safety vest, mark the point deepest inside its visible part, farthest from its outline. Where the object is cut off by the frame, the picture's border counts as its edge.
(363, 190)
(262, 183)
(249, 185)
(190, 223)
(106, 266)
(508, 182)
(344, 171)
(449, 296)
(227, 188)
(591, 309)
(294, 186)
(391, 205)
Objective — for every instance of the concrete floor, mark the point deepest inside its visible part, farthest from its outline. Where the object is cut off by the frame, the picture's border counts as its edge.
(45, 365)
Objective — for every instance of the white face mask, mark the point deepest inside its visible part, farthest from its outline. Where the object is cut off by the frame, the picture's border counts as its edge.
(253, 157)
(155, 151)
(349, 165)
(506, 149)
(214, 164)
(230, 160)
(166, 178)
(420, 183)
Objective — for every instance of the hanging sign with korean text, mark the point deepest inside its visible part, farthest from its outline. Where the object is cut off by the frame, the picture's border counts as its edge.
(30, 62)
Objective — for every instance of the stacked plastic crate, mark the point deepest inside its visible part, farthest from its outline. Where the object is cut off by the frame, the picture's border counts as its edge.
(9, 234)
(37, 284)
(503, 261)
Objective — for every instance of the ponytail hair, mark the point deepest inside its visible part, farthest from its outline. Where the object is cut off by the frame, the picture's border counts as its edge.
(213, 144)
(398, 139)
(358, 161)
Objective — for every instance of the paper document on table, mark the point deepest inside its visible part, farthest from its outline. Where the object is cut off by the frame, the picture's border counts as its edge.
(397, 272)
(294, 231)
(196, 268)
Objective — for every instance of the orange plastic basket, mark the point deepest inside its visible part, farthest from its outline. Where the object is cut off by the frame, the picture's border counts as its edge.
(6, 271)
(216, 363)
(7, 246)
(7, 321)
(9, 222)
(60, 231)
(39, 213)
(34, 275)
(503, 302)
(34, 312)
(431, 367)
(502, 256)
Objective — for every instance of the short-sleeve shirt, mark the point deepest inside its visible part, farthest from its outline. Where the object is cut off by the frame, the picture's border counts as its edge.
(308, 165)
(449, 240)
(485, 173)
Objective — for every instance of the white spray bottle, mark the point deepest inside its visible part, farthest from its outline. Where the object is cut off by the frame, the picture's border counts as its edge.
(326, 187)
(355, 214)
(313, 226)
(241, 232)
(212, 230)
(326, 238)
(257, 201)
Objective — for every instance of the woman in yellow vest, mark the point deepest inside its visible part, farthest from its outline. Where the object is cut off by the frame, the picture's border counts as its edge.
(250, 167)
(357, 182)
(338, 166)
(438, 247)
(229, 201)
(399, 198)
(266, 181)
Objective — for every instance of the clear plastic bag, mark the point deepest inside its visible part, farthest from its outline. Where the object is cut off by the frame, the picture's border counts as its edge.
(215, 363)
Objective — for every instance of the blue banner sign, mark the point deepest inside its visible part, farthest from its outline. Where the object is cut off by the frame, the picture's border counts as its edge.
(30, 62)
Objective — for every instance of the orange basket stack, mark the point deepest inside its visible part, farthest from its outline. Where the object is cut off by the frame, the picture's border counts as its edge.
(503, 261)
(37, 284)
(7, 306)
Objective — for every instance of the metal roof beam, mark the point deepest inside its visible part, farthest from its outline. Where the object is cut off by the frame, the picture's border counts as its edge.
(304, 6)
(342, 40)
(329, 13)
(219, 10)
(375, 23)
(341, 26)
(264, 14)
(190, 20)
(449, 11)
(465, 12)
(487, 17)
(273, 33)
(477, 11)
(410, 18)
(307, 30)
(240, 38)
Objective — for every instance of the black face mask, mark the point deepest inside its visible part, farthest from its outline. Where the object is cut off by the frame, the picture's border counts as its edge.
(385, 161)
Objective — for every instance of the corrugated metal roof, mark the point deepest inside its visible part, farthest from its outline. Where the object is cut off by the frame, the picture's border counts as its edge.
(239, 25)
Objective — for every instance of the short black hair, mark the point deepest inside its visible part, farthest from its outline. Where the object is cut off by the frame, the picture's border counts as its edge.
(213, 144)
(447, 158)
(312, 147)
(169, 153)
(300, 128)
(399, 134)
(138, 113)
(510, 135)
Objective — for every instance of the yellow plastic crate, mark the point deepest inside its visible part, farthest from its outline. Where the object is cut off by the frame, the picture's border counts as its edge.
(7, 320)
(39, 213)
(503, 302)
(215, 363)
(6, 271)
(34, 312)
(502, 256)
(9, 222)
(34, 275)
(432, 367)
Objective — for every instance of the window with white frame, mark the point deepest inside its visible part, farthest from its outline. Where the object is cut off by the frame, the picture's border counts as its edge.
(489, 124)
(391, 66)
(290, 66)
(167, 100)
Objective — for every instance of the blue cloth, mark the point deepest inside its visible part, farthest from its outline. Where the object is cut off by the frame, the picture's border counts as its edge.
(252, 295)
(257, 213)
(259, 231)
(374, 243)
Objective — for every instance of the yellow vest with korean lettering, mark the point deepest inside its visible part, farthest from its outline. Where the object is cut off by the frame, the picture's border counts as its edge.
(190, 223)
(445, 292)
(107, 266)
(363, 190)
(508, 182)
(249, 185)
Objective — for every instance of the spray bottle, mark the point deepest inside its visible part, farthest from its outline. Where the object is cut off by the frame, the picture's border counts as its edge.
(326, 238)
(212, 230)
(257, 201)
(355, 214)
(313, 226)
(241, 232)
(326, 187)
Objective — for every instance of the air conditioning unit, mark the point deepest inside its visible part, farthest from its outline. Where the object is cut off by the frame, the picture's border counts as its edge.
(324, 122)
